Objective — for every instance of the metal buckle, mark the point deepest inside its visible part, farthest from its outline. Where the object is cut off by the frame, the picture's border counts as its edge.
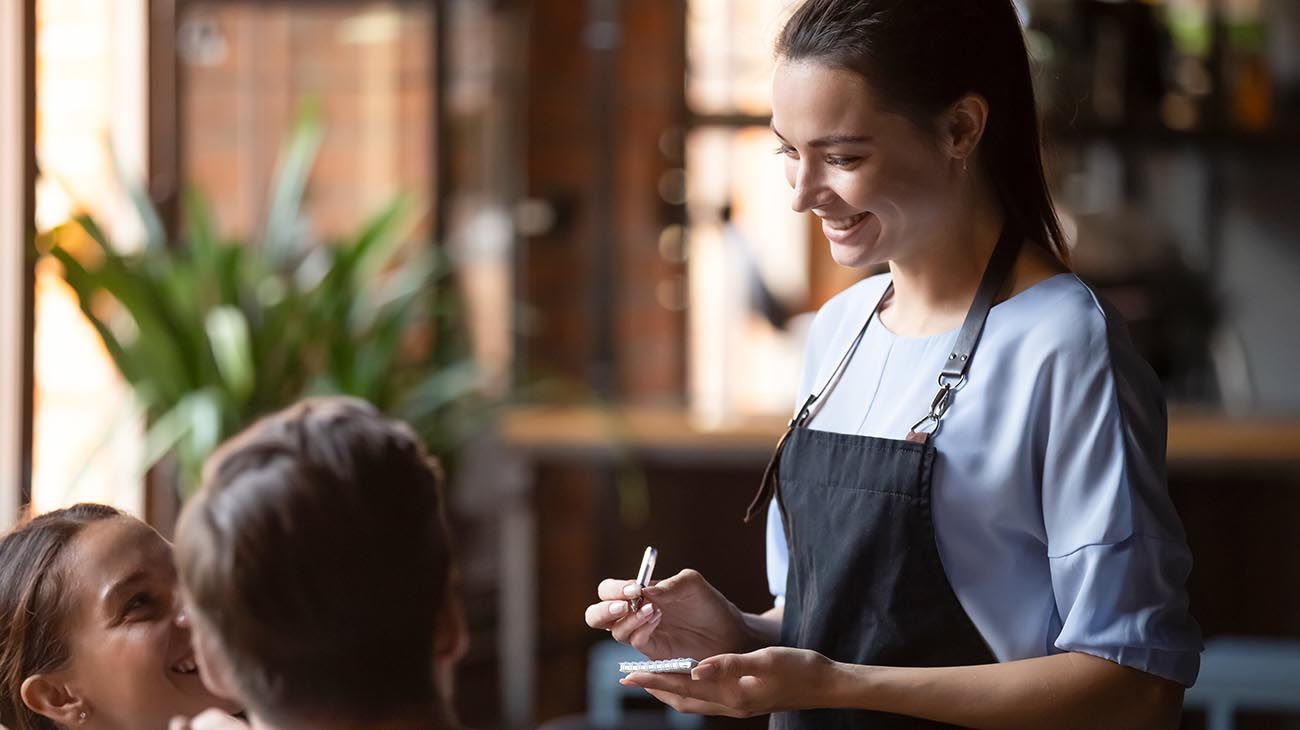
(955, 385)
(939, 405)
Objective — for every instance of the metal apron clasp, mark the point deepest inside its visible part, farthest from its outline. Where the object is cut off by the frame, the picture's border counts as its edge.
(929, 424)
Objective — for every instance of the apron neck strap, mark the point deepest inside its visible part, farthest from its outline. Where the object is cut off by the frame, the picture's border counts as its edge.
(767, 489)
(995, 276)
(953, 375)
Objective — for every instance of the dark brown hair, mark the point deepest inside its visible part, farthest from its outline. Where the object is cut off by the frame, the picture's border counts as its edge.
(317, 551)
(920, 57)
(34, 605)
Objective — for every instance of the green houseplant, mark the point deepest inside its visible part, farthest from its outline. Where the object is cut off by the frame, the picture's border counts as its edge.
(211, 333)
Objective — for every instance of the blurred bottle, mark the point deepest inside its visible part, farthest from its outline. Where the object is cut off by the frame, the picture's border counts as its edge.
(1122, 55)
(1190, 27)
(1247, 74)
(1283, 19)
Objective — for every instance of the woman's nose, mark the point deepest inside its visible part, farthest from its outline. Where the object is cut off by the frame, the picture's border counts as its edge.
(805, 186)
(181, 617)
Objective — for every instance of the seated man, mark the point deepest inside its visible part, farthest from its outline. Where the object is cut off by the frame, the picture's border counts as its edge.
(316, 568)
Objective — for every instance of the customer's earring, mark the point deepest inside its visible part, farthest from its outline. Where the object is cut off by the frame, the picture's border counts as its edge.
(81, 719)
(963, 165)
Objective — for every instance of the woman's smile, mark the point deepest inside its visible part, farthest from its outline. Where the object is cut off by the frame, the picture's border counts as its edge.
(842, 231)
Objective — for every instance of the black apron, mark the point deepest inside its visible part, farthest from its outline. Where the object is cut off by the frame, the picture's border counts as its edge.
(865, 583)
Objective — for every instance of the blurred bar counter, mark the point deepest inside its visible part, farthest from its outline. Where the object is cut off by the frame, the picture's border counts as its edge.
(672, 434)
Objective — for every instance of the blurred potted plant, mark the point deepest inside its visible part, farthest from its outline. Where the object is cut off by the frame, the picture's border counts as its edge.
(211, 333)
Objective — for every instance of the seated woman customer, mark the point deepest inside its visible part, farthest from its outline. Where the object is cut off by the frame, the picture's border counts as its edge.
(316, 567)
(89, 630)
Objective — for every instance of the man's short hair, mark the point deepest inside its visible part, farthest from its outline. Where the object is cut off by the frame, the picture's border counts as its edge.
(317, 550)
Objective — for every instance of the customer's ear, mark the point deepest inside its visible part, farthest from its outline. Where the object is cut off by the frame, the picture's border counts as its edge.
(452, 638)
(48, 695)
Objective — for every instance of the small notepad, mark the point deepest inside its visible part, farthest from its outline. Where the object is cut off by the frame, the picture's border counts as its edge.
(660, 666)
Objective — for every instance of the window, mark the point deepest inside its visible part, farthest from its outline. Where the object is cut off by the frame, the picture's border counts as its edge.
(91, 108)
(756, 267)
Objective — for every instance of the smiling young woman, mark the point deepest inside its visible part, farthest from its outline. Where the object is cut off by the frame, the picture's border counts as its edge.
(996, 549)
(90, 635)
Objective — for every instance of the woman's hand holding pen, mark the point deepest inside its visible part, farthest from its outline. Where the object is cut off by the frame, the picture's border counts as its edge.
(682, 616)
(774, 679)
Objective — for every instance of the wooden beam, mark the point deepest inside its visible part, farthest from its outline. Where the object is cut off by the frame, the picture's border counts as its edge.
(17, 188)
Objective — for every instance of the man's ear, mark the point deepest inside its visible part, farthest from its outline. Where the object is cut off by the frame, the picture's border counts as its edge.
(48, 696)
(452, 639)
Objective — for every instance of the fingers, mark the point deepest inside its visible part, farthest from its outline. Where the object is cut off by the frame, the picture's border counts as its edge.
(694, 706)
(605, 614)
(612, 589)
(720, 666)
(678, 684)
(624, 629)
(640, 636)
(685, 694)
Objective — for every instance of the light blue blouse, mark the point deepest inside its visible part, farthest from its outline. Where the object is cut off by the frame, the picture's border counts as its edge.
(1051, 511)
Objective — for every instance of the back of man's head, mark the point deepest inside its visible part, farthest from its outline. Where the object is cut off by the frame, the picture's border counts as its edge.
(317, 555)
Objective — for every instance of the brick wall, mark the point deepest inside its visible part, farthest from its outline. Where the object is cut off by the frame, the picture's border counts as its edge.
(649, 333)
(367, 64)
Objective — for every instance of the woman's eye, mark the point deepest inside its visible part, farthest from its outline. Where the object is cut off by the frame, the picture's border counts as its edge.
(837, 161)
(784, 149)
(137, 603)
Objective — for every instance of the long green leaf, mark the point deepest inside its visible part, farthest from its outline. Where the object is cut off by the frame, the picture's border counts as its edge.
(155, 235)
(290, 181)
(143, 293)
(86, 287)
(380, 240)
(231, 347)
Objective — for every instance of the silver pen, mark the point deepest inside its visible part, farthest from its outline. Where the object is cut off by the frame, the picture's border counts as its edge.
(643, 576)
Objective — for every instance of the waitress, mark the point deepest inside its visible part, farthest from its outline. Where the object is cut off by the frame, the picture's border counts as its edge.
(967, 522)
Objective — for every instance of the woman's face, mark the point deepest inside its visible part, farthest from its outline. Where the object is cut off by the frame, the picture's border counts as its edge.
(130, 660)
(873, 178)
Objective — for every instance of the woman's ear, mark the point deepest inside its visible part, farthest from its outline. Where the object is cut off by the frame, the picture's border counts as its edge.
(48, 696)
(963, 126)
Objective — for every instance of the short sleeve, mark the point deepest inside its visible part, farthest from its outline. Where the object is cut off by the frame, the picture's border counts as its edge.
(1118, 557)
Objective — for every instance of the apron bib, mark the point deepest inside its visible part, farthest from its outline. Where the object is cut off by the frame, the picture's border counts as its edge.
(865, 583)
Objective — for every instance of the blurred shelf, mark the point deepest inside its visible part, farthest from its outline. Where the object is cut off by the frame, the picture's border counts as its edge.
(1283, 140)
(672, 434)
(666, 433)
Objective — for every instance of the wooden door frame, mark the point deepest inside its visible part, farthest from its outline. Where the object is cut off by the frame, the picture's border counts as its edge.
(17, 226)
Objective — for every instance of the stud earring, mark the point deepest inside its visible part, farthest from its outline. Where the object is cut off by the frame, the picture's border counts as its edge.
(963, 165)
(81, 719)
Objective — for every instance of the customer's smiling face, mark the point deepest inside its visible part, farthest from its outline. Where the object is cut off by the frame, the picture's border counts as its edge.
(875, 179)
(130, 661)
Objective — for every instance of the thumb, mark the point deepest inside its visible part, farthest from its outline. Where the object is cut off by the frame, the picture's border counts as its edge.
(721, 666)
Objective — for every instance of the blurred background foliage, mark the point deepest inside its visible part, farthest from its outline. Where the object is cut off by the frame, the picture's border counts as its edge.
(213, 332)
